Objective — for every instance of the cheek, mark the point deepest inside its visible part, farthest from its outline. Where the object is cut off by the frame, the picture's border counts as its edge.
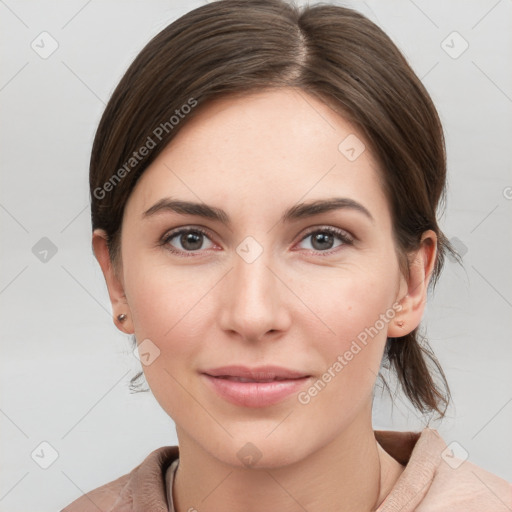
(167, 307)
(353, 300)
(163, 299)
(356, 313)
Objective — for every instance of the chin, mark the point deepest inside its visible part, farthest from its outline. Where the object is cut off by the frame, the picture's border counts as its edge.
(258, 452)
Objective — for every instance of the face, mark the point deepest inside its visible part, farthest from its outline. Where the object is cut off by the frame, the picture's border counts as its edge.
(267, 282)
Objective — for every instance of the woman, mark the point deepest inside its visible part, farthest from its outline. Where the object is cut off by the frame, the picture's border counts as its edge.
(264, 185)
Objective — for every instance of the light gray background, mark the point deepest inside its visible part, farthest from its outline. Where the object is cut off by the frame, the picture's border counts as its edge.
(64, 366)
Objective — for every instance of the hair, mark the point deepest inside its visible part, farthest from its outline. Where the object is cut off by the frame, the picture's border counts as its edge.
(336, 54)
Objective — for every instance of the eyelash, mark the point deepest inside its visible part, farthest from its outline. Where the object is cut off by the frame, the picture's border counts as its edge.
(341, 234)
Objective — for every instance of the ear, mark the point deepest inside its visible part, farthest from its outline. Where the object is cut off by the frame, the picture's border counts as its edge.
(412, 295)
(114, 284)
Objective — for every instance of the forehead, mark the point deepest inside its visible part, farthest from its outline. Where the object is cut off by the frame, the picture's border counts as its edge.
(281, 145)
(283, 122)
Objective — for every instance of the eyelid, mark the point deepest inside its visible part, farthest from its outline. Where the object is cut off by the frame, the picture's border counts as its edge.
(190, 227)
(343, 233)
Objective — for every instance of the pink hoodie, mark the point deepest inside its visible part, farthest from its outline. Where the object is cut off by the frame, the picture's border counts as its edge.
(433, 480)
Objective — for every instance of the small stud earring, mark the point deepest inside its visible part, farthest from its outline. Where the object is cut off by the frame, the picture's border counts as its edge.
(122, 317)
(400, 323)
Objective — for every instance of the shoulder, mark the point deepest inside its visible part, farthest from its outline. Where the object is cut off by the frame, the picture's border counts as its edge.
(100, 499)
(143, 485)
(461, 486)
(435, 480)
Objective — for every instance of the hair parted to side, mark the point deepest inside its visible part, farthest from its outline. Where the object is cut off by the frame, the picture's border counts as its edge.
(234, 47)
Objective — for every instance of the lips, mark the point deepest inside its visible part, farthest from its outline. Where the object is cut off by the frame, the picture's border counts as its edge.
(255, 387)
(243, 379)
(258, 374)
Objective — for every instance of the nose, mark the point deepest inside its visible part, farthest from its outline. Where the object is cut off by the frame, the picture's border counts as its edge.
(254, 299)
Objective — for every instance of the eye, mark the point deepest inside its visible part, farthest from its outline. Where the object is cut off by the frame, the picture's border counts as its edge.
(323, 239)
(190, 240)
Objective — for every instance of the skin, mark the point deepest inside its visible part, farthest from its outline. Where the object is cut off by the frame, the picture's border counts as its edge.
(293, 306)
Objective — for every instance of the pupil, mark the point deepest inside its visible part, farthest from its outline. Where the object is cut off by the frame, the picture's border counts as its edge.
(322, 238)
(193, 239)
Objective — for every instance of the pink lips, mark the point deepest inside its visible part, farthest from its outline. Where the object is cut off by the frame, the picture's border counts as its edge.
(255, 387)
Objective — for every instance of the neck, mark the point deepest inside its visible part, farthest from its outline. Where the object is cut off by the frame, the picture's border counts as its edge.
(350, 473)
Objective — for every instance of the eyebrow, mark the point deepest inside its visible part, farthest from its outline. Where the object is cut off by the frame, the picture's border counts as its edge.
(296, 212)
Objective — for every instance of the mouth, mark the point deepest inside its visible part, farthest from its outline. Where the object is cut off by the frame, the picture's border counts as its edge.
(243, 379)
(255, 387)
(257, 374)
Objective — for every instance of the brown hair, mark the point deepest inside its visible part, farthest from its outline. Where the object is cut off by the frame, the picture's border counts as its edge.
(233, 47)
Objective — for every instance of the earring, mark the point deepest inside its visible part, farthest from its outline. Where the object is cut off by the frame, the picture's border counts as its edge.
(122, 317)
(400, 323)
